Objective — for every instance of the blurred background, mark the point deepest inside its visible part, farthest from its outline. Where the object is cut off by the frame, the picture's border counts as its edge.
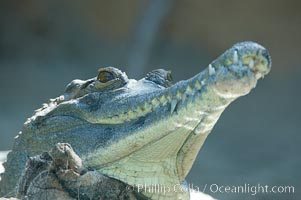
(46, 44)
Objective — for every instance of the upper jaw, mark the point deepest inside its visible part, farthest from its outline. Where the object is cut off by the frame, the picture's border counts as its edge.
(234, 73)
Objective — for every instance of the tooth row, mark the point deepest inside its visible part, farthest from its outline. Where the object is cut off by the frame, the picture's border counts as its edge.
(155, 103)
(180, 96)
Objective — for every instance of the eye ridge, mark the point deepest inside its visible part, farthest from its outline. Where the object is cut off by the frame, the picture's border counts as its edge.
(105, 76)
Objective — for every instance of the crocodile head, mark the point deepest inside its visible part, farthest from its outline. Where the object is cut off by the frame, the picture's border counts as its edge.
(149, 131)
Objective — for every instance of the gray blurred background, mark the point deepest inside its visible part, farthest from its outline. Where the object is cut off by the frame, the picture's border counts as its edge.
(46, 44)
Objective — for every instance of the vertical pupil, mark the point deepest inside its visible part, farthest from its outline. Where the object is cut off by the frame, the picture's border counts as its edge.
(105, 76)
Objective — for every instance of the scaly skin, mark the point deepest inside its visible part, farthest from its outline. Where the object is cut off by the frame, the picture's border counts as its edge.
(142, 132)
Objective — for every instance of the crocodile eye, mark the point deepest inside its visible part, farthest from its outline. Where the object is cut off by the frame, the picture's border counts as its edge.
(105, 76)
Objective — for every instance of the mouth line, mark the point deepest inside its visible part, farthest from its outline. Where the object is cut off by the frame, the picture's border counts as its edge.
(166, 98)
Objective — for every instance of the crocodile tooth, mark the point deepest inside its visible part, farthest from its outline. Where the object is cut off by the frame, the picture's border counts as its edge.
(140, 109)
(189, 90)
(179, 95)
(123, 116)
(155, 102)
(147, 107)
(173, 105)
(211, 70)
(197, 85)
(235, 57)
(252, 63)
(131, 114)
(168, 98)
(162, 100)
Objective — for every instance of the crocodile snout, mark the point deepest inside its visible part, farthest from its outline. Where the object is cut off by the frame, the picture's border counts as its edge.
(255, 56)
(237, 70)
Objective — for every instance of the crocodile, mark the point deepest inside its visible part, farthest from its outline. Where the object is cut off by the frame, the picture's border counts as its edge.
(142, 132)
